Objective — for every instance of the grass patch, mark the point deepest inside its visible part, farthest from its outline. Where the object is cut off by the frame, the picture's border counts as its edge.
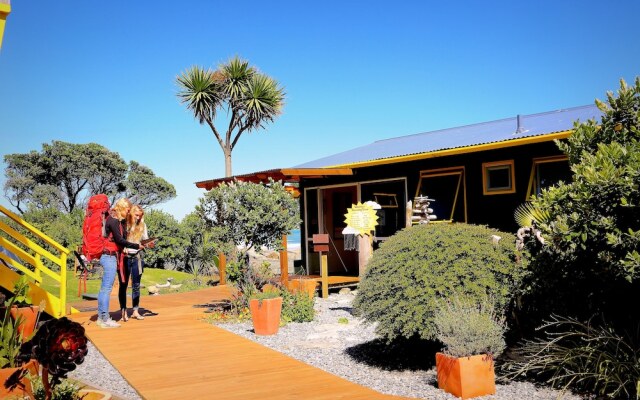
(151, 276)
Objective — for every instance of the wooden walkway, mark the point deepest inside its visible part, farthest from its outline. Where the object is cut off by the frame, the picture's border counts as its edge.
(175, 354)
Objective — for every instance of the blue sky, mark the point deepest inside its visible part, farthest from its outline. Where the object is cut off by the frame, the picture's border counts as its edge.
(354, 72)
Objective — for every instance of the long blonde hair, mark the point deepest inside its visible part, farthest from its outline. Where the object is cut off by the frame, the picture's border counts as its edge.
(120, 207)
(135, 228)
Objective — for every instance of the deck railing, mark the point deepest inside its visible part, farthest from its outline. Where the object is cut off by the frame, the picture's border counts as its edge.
(31, 254)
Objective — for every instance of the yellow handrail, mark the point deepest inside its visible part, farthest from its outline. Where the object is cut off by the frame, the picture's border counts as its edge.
(32, 255)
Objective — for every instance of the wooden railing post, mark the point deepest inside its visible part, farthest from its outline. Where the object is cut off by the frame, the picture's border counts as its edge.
(324, 275)
(63, 285)
(284, 263)
(222, 268)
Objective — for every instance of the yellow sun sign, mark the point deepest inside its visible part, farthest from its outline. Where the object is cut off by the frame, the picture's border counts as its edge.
(362, 218)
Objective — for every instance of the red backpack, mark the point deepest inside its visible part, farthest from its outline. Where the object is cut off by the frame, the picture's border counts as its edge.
(93, 227)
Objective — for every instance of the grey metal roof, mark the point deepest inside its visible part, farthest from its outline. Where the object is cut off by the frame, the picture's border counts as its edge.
(463, 136)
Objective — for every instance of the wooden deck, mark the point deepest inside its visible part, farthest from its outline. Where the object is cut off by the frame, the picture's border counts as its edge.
(175, 354)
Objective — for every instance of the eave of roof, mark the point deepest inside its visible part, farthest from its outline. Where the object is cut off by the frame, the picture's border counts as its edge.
(286, 175)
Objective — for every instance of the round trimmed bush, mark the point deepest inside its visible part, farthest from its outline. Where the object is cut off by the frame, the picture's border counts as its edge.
(415, 269)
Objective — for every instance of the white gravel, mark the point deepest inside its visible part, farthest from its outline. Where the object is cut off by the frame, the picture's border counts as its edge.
(349, 350)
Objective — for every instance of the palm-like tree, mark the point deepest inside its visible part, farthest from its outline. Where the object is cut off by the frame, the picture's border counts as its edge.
(251, 98)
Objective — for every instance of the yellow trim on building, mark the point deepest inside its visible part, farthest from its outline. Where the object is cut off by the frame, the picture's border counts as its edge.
(5, 9)
(457, 151)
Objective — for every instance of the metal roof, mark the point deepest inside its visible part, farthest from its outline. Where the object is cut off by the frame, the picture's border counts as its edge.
(504, 130)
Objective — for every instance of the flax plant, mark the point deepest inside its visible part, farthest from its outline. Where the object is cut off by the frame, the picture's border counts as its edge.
(582, 356)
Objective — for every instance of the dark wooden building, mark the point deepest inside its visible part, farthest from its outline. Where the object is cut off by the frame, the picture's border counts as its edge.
(477, 174)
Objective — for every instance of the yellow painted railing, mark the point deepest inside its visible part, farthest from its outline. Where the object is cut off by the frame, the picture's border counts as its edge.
(31, 254)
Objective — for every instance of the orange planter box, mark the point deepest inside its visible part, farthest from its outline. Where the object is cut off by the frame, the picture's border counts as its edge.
(24, 388)
(29, 316)
(303, 285)
(466, 377)
(265, 315)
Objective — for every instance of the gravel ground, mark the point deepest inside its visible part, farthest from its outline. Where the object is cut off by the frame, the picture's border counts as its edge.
(349, 350)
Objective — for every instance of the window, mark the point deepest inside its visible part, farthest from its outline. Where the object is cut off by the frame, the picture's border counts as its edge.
(498, 177)
(447, 187)
(547, 171)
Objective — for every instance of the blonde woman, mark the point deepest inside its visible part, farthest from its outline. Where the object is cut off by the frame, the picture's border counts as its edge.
(116, 241)
(133, 263)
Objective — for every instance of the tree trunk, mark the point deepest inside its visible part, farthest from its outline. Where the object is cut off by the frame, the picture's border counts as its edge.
(227, 163)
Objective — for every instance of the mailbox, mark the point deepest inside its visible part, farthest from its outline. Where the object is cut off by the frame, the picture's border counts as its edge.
(320, 242)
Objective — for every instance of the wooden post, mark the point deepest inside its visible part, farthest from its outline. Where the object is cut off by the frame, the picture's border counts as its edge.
(222, 268)
(284, 263)
(324, 274)
(365, 250)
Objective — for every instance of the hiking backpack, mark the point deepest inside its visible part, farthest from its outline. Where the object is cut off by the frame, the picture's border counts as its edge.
(93, 227)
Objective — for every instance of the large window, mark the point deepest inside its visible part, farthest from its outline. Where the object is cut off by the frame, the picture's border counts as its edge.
(391, 196)
(547, 171)
(447, 187)
(498, 177)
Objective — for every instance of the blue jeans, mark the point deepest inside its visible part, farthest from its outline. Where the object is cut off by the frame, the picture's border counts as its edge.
(132, 269)
(110, 265)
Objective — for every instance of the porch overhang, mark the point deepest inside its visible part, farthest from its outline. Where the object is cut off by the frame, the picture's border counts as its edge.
(286, 175)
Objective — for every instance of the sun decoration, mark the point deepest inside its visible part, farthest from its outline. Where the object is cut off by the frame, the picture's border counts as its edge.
(362, 218)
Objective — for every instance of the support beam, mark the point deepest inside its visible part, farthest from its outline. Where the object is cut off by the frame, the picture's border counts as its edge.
(222, 268)
(284, 263)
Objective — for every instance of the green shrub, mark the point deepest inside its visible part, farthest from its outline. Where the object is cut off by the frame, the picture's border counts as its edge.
(468, 328)
(66, 390)
(296, 307)
(582, 356)
(590, 264)
(420, 264)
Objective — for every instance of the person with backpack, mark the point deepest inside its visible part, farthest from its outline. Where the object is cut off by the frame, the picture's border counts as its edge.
(133, 263)
(115, 232)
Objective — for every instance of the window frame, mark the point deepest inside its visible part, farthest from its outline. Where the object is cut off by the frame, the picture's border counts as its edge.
(462, 184)
(486, 168)
(532, 187)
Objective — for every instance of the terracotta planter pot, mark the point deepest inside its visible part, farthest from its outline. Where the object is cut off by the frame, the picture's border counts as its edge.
(24, 389)
(29, 316)
(466, 377)
(303, 285)
(265, 315)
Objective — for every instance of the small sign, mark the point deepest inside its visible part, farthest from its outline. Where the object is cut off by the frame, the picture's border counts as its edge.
(320, 242)
(362, 218)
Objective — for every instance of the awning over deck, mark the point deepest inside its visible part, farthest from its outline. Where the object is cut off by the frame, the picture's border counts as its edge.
(286, 175)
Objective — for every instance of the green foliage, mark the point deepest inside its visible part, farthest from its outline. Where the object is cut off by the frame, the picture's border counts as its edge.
(242, 215)
(64, 228)
(591, 265)
(170, 247)
(582, 356)
(21, 290)
(10, 339)
(63, 175)
(268, 294)
(252, 99)
(526, 214)
(66, 390)
(296, 307)
(145, 188)
(201, 253)
(343, 320)
(468, 328)
(420, 264)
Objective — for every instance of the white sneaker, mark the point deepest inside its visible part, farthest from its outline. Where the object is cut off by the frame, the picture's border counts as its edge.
(108, 323)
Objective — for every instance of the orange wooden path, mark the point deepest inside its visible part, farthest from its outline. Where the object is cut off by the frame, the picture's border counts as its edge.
(175, 354)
